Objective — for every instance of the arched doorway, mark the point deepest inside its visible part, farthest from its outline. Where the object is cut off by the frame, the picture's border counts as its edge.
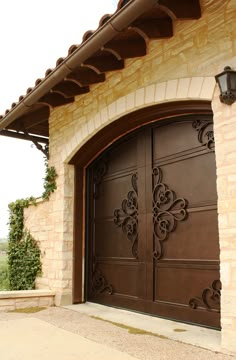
(152, 236)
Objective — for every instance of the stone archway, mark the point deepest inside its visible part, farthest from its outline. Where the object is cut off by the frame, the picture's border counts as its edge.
(164, 95)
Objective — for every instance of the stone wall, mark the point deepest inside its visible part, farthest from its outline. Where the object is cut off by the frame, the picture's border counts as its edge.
(225, 140)
(50, 223)
(180, 68)
(14, 300)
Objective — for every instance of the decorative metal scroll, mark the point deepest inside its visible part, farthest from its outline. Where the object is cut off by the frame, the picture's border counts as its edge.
(167, 211)
(127, 216)
(99, 282)
(205, 133)
(98, 174)
(210, 298)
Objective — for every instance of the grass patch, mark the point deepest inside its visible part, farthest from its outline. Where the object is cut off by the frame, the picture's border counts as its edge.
(180, 330)
(3, 260)
(131, 330)
(29, 310)
(4, 284)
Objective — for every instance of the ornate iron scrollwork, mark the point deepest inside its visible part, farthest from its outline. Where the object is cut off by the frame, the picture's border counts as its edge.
(99, 283)
(205, 133)
(98, 174)
(127, 216)
(209, 299)
(167, 211)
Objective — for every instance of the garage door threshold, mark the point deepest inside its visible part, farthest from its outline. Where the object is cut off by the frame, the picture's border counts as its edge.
(190, 334)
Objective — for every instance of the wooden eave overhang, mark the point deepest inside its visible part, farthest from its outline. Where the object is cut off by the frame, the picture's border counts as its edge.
(120, 36)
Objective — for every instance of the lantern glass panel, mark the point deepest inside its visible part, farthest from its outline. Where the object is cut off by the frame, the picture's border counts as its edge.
(222, 79)
(232, 81)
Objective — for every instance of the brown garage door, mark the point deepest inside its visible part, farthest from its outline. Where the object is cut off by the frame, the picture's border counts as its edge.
(152, 236)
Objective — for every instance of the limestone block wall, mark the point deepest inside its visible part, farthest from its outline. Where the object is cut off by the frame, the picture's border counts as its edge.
(36, 219)
(179, 68)
(14, 300)
(50, 223)
(225, 140)
(176, 66)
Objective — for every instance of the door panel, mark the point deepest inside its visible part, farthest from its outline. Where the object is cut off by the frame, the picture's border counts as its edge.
(116, 247)
(111, 191)
(152, 223)
(188, 177)
(126, 275)
(178, 285)
(174, 139)
(194, 238)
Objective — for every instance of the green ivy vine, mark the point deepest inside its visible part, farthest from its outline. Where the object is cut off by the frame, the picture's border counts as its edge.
(49, 181)
(24, 263)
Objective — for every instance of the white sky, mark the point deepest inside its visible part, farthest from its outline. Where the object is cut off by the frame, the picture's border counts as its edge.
(34, 34)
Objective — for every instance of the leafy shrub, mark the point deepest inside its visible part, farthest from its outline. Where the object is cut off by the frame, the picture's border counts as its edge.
(24, 263)
(23, 252)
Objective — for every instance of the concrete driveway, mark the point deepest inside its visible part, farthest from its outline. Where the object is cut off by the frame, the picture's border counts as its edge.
(34, 339)
(84, 332)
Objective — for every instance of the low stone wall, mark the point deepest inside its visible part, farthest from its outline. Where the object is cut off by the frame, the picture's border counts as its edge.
(12, 300)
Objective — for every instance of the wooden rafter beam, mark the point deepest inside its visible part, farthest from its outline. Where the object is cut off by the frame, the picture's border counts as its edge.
(154, 28)
(54, 99)
(32, 124)
(127, 48)
(103, 63)
(69, 89)
(181, 9)
(32, 119)
(86, 77)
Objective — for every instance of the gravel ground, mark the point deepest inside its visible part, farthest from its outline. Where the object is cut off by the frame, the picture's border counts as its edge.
(143, 347)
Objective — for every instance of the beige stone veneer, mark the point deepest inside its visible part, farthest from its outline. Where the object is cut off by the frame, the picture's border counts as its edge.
(180, 68)
(14, 300)
(225, 140)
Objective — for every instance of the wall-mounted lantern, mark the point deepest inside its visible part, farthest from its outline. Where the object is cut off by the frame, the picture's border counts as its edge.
(227, 83)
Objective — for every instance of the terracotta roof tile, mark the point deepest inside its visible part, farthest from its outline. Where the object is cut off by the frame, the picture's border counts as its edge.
(71, 49)
(126, 43)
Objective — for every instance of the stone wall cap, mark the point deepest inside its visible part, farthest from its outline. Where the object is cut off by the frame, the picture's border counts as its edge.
(25, 294)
